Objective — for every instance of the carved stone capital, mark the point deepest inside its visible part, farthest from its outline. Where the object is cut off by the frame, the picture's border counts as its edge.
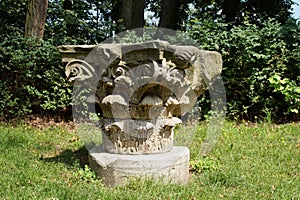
(141, 89)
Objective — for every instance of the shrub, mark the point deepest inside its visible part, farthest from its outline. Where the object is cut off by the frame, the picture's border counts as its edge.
(32, 78)
(257, 67)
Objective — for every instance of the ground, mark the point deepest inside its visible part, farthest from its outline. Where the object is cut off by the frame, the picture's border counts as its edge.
(249, 161)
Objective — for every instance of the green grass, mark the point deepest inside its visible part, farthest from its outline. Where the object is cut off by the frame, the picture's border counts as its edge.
(261, 161)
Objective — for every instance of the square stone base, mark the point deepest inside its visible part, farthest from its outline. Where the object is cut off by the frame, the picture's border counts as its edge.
(117, 169)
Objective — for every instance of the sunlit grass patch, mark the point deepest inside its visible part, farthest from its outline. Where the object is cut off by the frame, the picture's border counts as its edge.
(249, 161)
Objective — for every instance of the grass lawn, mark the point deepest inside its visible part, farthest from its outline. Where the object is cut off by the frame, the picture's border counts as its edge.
(261, 161)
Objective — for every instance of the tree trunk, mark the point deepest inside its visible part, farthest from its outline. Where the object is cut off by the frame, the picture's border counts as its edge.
(36, 18)
(170, 14)
(70, 28)
(128, 14)
(231, 9)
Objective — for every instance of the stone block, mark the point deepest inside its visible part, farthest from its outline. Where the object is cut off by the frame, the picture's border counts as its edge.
(117, 169)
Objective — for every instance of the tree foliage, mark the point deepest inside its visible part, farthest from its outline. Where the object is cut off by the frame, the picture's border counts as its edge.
(261, 70)
(259, 43)
(32, 78)
(12, 18)
(235, 11)
(78, 22)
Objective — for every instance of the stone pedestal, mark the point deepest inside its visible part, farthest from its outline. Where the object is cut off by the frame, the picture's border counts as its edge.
(117, 169)
(140, 91)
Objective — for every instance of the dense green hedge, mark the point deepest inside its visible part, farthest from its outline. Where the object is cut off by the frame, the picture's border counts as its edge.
(261, 71)
(32, 78)
(261, 66)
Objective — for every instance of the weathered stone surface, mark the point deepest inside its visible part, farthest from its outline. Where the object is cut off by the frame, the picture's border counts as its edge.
(116, 169)
(71, 52)
(138, 136)
(151, 84)
(141, 90)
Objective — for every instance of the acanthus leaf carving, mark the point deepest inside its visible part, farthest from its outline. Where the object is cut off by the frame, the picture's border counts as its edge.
(142, 90)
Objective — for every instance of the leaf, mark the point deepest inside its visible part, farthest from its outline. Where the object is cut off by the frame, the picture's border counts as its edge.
(297, 89)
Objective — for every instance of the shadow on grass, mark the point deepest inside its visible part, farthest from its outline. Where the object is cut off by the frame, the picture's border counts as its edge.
(70, 158)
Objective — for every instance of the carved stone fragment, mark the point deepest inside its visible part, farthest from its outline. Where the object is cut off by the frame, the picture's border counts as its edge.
(141, 89)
